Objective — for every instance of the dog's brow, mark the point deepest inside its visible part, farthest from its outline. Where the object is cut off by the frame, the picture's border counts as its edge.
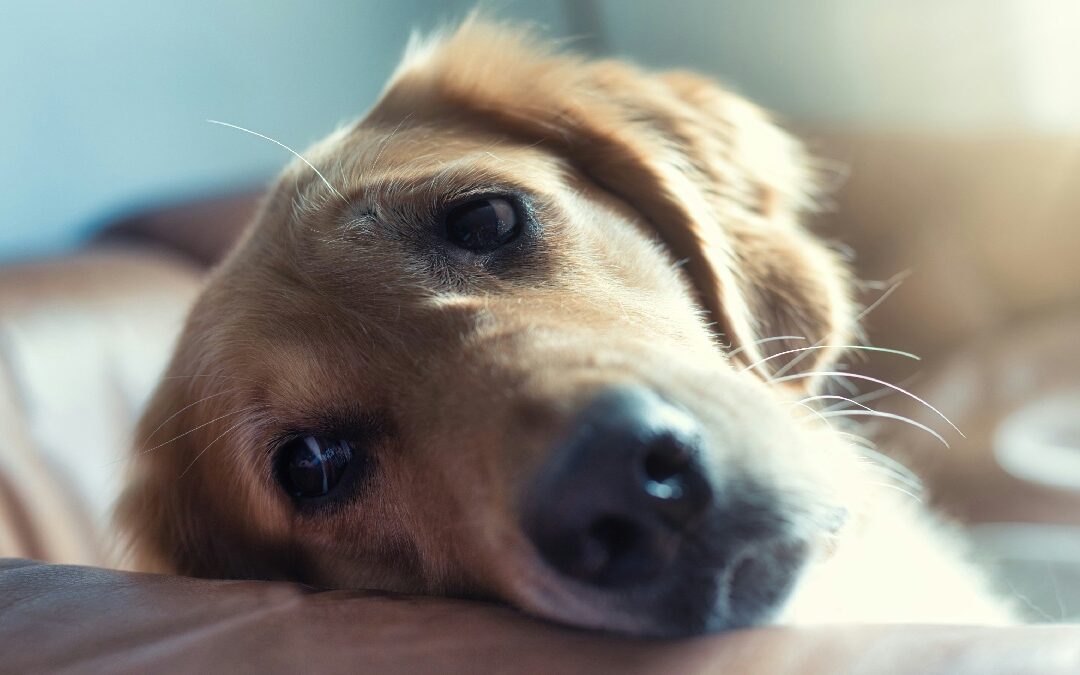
(452, 182)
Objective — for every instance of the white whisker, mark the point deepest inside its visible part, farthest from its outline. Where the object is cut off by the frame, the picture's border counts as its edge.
(866, 449)
(739, 350)
(216, 439)
(868, 453)
(892, 486)
(849, 387)
(860, 441)
(815, 412)
(295, 153)
(876, 381)
(150, 436)
(899, 278)
(898, 469)
(872, 395)
(823, 397)
(204, 424)
(895, 281)
(882, 470)
(885, 415)
(885, 350)
(796, 361)
(386, 141)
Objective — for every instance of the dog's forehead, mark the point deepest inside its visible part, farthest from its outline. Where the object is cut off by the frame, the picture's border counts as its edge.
(387, 159)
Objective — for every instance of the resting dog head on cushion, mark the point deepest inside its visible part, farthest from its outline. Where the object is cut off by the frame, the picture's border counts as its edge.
(508, 337)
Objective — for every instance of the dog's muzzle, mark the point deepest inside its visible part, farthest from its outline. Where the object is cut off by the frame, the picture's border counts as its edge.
(625, 511)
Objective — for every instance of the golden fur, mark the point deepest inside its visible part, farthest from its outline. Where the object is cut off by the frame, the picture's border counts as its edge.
(671, 240)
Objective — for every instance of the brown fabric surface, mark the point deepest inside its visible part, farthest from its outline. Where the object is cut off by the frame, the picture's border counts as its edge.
(203, 230)
(55, 617)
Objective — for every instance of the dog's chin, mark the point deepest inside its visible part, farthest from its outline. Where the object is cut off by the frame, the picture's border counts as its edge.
(692, 598)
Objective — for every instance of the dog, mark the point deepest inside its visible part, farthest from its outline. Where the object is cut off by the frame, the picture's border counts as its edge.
(544, 331)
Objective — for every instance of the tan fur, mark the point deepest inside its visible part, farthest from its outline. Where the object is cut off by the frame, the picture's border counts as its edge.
(671, 235)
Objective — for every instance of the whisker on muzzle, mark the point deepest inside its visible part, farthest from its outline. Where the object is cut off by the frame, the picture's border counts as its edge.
(869, 396)
(856, 376)
(885, 415)
(865, 348)
(738, 350)
(898, 488)
(831, 397)
(863, 446)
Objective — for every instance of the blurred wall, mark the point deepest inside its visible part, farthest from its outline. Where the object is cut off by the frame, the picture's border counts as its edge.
(924, 65)
(103, 104)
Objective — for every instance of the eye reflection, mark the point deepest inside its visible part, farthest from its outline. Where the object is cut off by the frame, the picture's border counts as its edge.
(311, 466)
(483, 225)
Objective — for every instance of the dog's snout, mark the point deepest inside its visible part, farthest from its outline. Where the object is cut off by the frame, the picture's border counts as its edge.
(610, 506)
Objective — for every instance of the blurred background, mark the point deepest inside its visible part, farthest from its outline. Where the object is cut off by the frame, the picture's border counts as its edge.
(951, 129)
(105, 103)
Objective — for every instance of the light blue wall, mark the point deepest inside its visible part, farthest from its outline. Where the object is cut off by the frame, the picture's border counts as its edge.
(102, 103)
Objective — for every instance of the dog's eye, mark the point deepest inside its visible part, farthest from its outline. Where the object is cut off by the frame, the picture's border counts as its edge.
(310, 466)
(483, 224)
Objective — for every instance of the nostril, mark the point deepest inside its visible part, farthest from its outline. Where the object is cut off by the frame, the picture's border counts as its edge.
(608, 542)
(674, 481)
(666, 459)
(618, 552)
(612, 551)
(664, 467)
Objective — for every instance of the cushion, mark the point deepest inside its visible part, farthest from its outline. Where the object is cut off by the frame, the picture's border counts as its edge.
(153, 623)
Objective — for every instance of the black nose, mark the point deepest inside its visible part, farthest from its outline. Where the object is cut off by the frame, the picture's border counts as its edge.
(610, 506)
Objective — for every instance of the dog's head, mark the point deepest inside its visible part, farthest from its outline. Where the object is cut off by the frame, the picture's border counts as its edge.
(509, 337)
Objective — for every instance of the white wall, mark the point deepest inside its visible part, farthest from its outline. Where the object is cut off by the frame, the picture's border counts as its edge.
(102, 103)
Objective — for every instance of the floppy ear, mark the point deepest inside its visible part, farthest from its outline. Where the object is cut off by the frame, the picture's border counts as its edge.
(173, 519)
(797, 290)
(154, 510)
(722, 185)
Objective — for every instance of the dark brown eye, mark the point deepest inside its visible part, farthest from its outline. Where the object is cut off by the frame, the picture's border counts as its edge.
(311, 466)
(483, 225)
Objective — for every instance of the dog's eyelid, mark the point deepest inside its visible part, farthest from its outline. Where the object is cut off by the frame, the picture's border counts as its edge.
(517, 193)
(361, 426)
(361, 220)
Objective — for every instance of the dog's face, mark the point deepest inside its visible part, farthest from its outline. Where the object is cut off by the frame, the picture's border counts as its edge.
(485, 352)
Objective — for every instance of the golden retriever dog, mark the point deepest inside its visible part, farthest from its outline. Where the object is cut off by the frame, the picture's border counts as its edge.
(543, 331)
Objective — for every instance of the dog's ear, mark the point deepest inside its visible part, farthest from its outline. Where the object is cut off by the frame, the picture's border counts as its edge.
(170, 515)
(796, 291)
(153, 513)
(723, 186)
